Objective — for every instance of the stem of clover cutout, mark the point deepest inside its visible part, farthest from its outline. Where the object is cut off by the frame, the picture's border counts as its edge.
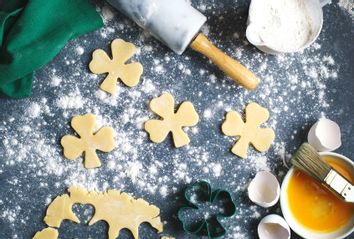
(88, 141)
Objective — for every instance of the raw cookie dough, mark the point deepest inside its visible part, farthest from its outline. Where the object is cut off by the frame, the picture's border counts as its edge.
(116, 68)
(47, 233)
(249, 132)
(118, 209)
(89, 141)
(171, 121)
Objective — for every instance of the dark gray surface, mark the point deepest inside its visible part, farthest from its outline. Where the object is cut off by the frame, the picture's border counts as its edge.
(24, 191)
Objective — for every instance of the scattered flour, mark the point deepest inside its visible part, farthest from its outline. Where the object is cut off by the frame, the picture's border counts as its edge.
(217, 169)
(30, 140)
(56, 81)
(207, 114)
(347, 5)
(163, 191)
(71, 101)
(79, 50)
(34, 110)
(133, 170)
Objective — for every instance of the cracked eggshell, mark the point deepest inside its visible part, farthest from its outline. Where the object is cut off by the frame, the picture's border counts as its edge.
(264, 189)
(325, 135)
(273, 227)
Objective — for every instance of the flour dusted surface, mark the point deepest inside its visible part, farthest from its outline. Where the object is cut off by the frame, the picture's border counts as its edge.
(296, 88)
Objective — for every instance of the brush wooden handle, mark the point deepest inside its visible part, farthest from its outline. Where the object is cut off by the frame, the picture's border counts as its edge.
(229, 66)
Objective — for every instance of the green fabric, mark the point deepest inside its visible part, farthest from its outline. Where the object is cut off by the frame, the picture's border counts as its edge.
(32, 32)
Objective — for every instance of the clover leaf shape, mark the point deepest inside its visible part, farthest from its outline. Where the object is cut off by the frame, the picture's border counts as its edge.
(249, 132)
(171, 121)
(88, 141)
(199, 193)
(116, 67)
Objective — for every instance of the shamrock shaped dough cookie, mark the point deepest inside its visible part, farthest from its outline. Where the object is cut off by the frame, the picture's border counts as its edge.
(116, 67)
(249, 132)
(118, 209)
(89, 141)
(171, 121)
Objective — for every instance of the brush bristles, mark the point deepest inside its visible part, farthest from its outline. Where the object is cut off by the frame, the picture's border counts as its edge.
(308, 160)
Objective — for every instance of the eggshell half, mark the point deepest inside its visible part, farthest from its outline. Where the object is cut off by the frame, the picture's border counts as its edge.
(273, 227)
(325, 135)
(264, 189)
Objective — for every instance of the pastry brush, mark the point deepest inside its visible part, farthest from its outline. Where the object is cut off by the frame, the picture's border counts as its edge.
(308, 160)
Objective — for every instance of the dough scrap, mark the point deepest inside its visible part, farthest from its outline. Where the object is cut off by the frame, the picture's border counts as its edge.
(89, 141)
(118, 209)
(249, 132)
(171, 121)
(116, 68)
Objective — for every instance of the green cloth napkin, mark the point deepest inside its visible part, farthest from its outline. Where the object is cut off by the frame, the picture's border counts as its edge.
(32, 32)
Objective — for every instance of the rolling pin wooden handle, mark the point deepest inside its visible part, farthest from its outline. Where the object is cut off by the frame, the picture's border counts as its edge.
(229, 66)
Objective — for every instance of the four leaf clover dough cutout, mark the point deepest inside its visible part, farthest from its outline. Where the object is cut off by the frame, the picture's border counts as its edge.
(89, 141)
(116, 67)
(171, 121)
(118, 209)
(249, 131)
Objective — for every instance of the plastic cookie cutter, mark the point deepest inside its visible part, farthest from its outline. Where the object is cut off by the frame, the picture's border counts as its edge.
(199, 195)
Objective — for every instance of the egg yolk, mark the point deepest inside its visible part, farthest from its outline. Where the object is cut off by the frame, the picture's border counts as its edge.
(314, 206)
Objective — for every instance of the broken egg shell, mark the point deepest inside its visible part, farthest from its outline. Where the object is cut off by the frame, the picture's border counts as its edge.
(325, 135)
(264, 189)
(273, 227)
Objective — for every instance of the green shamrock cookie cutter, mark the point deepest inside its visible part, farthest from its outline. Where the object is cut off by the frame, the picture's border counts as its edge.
(210, 226)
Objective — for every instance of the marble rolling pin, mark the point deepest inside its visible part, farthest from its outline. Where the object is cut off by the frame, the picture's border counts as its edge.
(177, 24)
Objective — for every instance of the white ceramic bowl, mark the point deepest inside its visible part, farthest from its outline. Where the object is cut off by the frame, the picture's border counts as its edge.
(254, 23)
(296, 226)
